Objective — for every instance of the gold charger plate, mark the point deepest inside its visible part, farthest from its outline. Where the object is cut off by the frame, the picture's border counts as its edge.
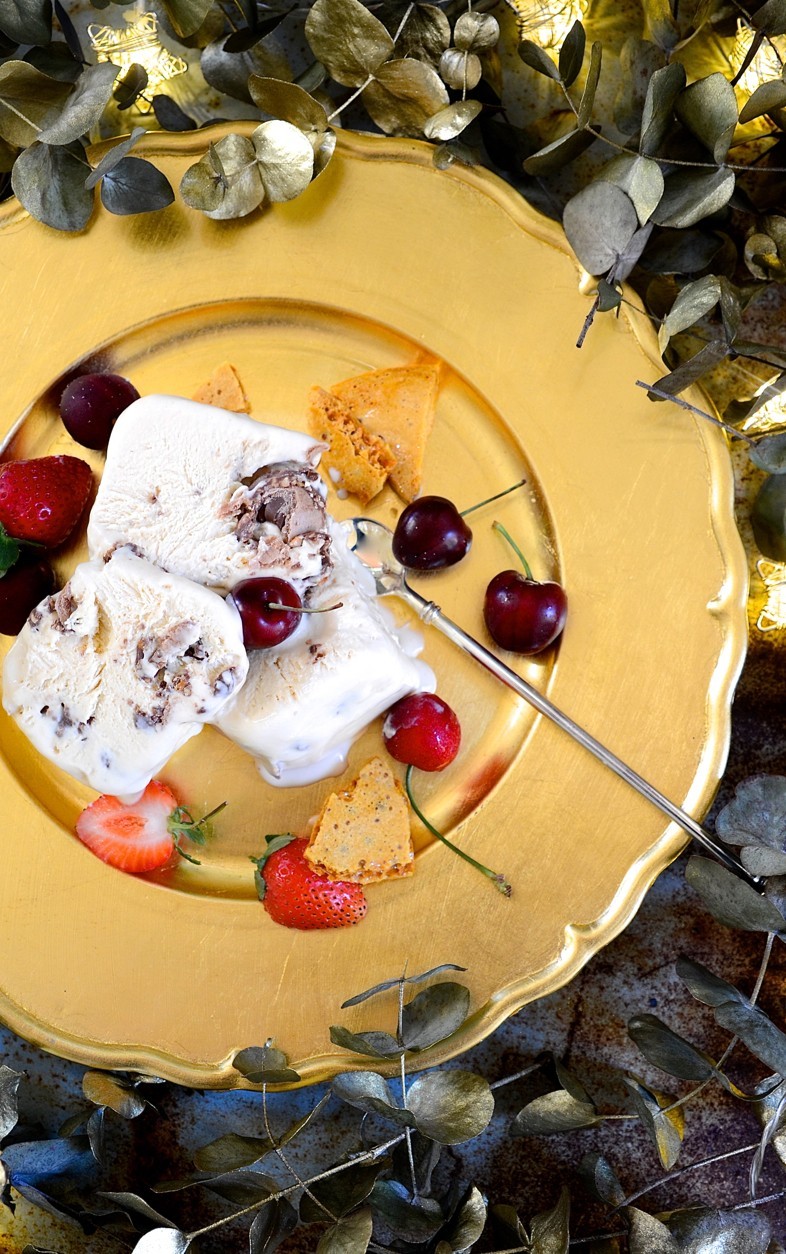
(629, 504)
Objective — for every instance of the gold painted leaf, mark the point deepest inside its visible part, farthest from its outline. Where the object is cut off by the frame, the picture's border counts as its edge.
(426, 34)
(287, 101)
(349, 40)
(460, 70)
(28, 101)
(285, 157)
(449, 122)
(404, 95)
(227, 182)
(476, 32)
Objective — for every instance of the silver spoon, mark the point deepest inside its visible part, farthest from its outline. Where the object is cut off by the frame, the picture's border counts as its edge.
(373, 543)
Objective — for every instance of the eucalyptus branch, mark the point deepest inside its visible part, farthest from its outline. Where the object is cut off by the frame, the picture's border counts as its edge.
(701, 413)
(402, 1064)
(684, 1171)
(285, 1162)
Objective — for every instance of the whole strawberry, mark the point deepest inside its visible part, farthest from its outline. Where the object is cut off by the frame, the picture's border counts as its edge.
(296, 896)
(42, 500)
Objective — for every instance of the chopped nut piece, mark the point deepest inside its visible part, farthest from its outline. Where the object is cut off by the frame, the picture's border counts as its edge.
(363, 833)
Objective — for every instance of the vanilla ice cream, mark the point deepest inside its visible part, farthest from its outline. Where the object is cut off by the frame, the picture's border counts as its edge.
(212, 495)
(307, 699)
(113, 674)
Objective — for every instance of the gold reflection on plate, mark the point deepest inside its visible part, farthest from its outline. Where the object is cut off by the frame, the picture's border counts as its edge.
(628, 503)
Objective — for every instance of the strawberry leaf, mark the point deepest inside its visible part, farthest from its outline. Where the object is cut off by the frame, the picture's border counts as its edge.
(275, 841)
(9, 551)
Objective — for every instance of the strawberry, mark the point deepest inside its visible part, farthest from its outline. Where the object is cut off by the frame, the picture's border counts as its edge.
(295, 895)
(143, 836)
(42, 500)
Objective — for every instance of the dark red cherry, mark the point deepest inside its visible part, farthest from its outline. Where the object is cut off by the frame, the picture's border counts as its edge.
(264, 627)
(21, 589)
(431, 534)
(423, 731)
(91, 404)
(523, 615)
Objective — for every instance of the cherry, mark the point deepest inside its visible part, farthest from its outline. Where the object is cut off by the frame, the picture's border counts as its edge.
(431, 533)
(521, 613)
(422, 730)
(264, 626)
(91, 404)
(21, 589)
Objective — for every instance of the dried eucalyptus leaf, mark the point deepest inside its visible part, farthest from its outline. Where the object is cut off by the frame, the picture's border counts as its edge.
(553, 1113)
(368, 1091)
(693, 302)
(668, 1050)
(285, 158)
(84, 107)
(9, 1112)
(475, 32)
(426, 34)
(386, 985)
(766, 98)
(347, 39)
(451, 1106)
(647, 1235)
(665, 1131)
(258, 1058)
(50, 184)
(412, 1219)
(662, 26)
(763, 861)
(449, 122)
(599, 1177)
(324, 147)
(114, 157)
(340, 1194)
(96, 1133)
(768, 517)
(467, 1224)
(434, 1014)
(558, 153)
(537, 59)
(186, 16)
(550, 1231)
(591, 86)
(756, 815)
(69, 32)
(8, 156)
(404, 95)
(729, 899)
(243, 189)
(705, 1231)
(229, 72)
(761, 257)
(242, 40)
(162, 1241)
(571, 1083)
(460, 70)
(34, 1162)
(681, 252)
(135, 186)
(708, 108)
(348, 1236)
(608, 296)
(271, 1226)
(690, 196)
(287, 101)
(662, 92)
(28, 100)
(599, 222)
(571, 54)
(135, 1205)
(770, 18)
(231, 1151)
(757, 1031)
(130, 86)
(640, 178)
(706, 987)
(692, 370)
(170, 116)
(201, 187)
(371, 1044)
(103, 1089)
(26, 21)
(638, 61)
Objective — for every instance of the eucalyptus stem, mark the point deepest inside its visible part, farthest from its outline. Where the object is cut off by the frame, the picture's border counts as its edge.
(496, 497)
(693, 409)
(280, 1155)
(403, 1072)
(497, 526)
(499, 881)
(684, 1171)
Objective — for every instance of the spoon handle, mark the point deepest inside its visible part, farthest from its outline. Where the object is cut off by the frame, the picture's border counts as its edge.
(432, 615)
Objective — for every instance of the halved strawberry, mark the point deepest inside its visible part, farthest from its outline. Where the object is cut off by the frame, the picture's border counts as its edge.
(144, 836)
(295, 895)
(42, 500)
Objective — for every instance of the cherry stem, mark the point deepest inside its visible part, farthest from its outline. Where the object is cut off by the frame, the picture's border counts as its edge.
(302, 609)
(502, 531)
(499, 881)
(489, 499)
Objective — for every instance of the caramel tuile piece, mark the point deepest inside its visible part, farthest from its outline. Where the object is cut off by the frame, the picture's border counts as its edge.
(362, 459)
(224, 390)
(397, 404)
(363, 834)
